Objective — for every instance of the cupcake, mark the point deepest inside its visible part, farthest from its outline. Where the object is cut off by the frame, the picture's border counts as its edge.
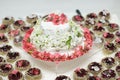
(4, 28)
(62, 77)
(18, 40)
(78, 19)
(92, 16)
(8, 20)
(22, 65)
(5, 69)
(118, 69)
(89, 23)
(108, 37)
(80, 74)
(94, 78)
(2, 60)
(13, 33)
(32, 19)
(33, 74)
(108, 74)
(98, 29)
(108, 62)
(117, 33)
(109, 48)
(16, 75)
(3, 38)
(104, 14)
(103, 21)
(117, 42)
(112, 27)
(18, 24)
(4, 49)
(13, 56)
(117, 56)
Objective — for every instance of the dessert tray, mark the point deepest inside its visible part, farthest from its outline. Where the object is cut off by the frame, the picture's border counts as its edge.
(95, 57)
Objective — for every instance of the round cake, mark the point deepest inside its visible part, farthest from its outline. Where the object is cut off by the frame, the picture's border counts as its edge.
(56, 38)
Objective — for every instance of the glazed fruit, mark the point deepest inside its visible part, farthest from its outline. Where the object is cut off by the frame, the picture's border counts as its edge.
(62, 77)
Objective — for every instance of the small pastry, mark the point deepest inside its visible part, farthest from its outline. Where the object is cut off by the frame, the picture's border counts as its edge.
(5, 69)
(108, 74)
(113, 27)
(118, 69)
(105, 14)
(18, 40)
(33, 74)
(4, 28)
(8, 20)
(95, 68)
(78, 19)
(98, 29)
(94, 78)
(62, 77)
(3, 38)
(117, 33)
(103, 21)
(32, 18)
(16, 75)
(25, 28)
(80, 74)
(2, 60)
(89, 23)
(13, 33)
(18, 24)
(4, 49)
(109, 48)
(92, 15)
(22, 65)
(13, 56)
(108, 37)
(108, 62)
(117, 42)
(117, 56)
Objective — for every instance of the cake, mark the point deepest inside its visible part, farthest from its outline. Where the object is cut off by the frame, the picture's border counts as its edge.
(57, 38)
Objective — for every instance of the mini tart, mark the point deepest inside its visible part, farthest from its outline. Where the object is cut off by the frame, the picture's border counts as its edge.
(5, 69)
(103, 21)
(118, 69)
(13, 33)
(89, 23)
(117, 33)
(32, 18)
(113, 27)
(78, 19)
(2, 60)
(95, 68)
(4, 49)
(104, 14)
(8, 20)
(3, 38)
(94, 78)
(117, 42)
(62, 77)
(15, 75)
(22, 65)
(4, 28)
(117, 56)
(13, 56)
(92, 15)
(25, 28)
(108, 74)
(18, 40)
(98, 29)
(108, 37)
(18, 24)
(80, 74)
(33, 74)
(108, 62)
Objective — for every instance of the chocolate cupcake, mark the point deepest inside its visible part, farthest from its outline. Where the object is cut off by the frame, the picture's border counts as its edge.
(95, 68)
(62, 77)
(99, 29)
(16, 75)
(108, 37)
(22, 65)
(80, 74)
(33, 74)
(103, 21)
(32, 19)
(94, 78)
(109, 48)
(13, 33)
(112, 27)
(118, 69)
(117, 42)
(4, 49)
(18, 24)
(2, 60)
(92, 16)
(90, 23)
(5, 69)
(3, 38)
(18, 41)
(117, 56)
(4, 28)
(105, 14)
(13, 56)
(8, 20)
(117, 34)
(108, 74)
(78, 19)
(108, 62)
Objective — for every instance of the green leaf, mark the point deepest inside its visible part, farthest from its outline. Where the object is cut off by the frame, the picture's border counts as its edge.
(68, 42)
